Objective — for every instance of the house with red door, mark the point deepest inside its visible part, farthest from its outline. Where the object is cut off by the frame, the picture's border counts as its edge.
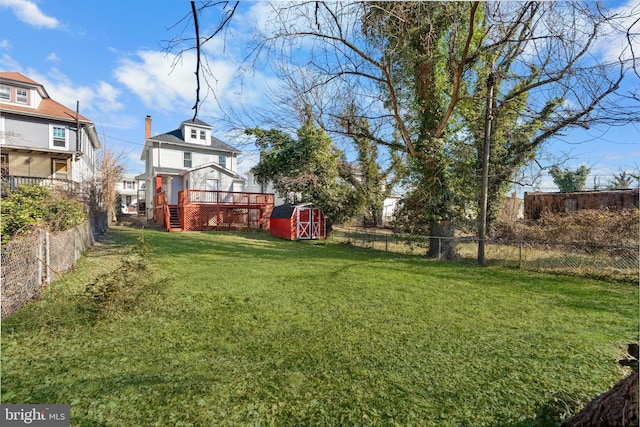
(190, 182)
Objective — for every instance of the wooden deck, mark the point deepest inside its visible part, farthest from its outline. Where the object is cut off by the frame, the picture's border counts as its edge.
(201, 210)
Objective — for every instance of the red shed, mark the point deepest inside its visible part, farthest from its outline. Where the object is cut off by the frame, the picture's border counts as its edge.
(300, 221)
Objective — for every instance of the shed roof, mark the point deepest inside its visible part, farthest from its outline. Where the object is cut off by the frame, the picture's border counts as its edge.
(287, 210)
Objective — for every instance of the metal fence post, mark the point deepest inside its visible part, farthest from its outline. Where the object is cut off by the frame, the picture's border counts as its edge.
(520, 256)
(40, 256)
(48, 257)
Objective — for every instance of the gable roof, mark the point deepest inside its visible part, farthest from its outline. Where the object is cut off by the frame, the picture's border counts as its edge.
(196, 122)
(47, 108)
(17, 77)
(177, 137)
(217, 166)
(287, 210)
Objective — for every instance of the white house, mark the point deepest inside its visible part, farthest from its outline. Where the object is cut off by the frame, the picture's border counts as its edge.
(253, 186)
(42, 141)
(187, 158)
(128, 189)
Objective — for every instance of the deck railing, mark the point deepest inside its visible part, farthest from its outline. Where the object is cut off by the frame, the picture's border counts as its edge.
(11, 182)
(224, 197)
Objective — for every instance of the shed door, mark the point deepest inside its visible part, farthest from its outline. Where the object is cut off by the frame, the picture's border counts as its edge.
(316, 227)
(303, 223)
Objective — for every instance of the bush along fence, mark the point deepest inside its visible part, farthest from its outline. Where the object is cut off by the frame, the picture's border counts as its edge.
(30, 263)
(608, 262)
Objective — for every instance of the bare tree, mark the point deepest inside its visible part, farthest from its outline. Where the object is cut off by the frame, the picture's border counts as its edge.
(101, 196)
(416, 73)
(182, 43)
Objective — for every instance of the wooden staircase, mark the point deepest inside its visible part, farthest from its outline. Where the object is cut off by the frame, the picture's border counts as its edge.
(174, 219)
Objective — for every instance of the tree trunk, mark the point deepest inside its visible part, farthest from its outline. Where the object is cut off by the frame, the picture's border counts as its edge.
(441, 243)
(617, 407)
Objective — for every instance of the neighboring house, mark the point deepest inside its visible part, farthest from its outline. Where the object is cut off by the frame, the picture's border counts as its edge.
(187, 158)
(42, 141)
(128, 188)
(389, 207)
(253, 186)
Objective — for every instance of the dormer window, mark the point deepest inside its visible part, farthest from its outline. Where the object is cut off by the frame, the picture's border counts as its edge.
(194, 134)
(5, 93)
(203, 135)
(22, 96)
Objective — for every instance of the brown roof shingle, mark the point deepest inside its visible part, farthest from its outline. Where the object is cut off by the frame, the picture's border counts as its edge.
(47, 107)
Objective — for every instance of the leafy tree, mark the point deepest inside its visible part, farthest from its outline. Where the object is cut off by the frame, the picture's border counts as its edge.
(568, 180)
(372, 183)
(306, 166)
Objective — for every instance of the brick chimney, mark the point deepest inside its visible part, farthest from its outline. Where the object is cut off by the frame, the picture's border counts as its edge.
(147, 127)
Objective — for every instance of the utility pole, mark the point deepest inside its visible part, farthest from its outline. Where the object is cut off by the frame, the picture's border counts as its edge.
(484, 192)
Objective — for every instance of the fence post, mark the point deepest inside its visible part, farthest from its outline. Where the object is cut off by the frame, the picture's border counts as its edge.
(520, 256)
(48, 257)
(40, 257)
(439, 247)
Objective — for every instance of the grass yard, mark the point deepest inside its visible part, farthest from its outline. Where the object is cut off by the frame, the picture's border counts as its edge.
(245, 329)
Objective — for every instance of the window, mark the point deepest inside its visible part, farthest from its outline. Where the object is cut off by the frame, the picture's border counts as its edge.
(59, 137)
(194, 135)
(187, 160)
(212, 184)
(203, 135)
(4, 165)
(222, 160)
(60, 169)
(5, 93)
(130, 185)
(22, 96)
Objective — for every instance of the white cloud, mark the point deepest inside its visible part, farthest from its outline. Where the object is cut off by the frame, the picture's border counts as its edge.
(615, 44)
(151, 77)
(29, 13)
(8, 63)
(167, 82)
(53, 57)
(96, 100)
(4, 44)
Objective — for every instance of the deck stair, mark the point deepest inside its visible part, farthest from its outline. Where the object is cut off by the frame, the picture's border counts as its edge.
(174, 219)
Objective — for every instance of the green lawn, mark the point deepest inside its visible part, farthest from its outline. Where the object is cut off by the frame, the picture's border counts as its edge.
(245, 329)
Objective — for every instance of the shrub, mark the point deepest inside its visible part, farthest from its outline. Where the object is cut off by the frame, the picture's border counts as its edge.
(602, 227)
(30, 206)
(123, 289)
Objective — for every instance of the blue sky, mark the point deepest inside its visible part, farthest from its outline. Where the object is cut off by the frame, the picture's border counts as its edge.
(110, 55)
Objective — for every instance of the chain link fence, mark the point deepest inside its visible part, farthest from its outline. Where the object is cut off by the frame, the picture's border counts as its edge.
(607, 262)
(31, 262)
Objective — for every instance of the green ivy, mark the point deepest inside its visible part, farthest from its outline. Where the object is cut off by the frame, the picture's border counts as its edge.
(30, 206)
